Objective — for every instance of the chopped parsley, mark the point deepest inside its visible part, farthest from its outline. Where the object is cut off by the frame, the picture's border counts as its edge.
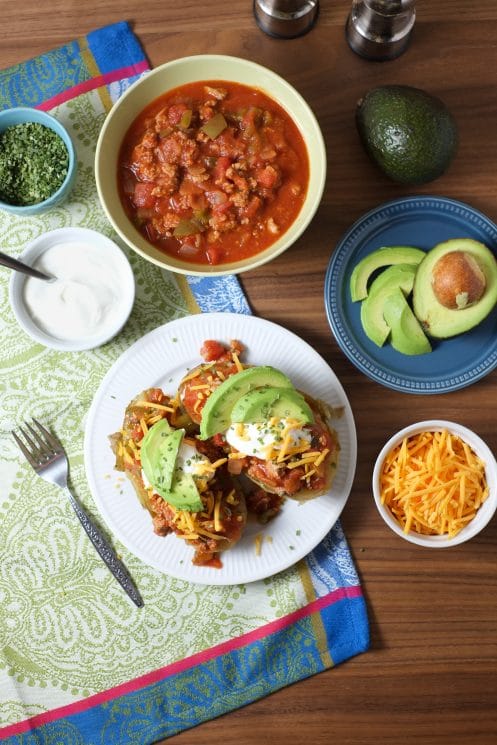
(33, 163)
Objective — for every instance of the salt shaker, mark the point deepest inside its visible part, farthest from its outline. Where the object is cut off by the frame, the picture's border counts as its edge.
(380, 29)
(286, 19)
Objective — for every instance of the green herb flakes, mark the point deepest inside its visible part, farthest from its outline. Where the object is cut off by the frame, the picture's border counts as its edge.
(33, 163)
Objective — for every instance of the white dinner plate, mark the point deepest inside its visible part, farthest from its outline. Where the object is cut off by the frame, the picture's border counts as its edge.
(161, 359)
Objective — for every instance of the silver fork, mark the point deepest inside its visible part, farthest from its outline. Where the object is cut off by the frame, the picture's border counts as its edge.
(48, 458)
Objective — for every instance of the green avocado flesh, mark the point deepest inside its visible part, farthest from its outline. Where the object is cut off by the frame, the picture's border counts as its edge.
(216, 414)
(159, 453)
(386, 256)
(408, 133)
(398, 276)
(437, 320)
(260, 404)
(406, 334)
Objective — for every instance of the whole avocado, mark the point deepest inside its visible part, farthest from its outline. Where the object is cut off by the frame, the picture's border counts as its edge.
(410, 134)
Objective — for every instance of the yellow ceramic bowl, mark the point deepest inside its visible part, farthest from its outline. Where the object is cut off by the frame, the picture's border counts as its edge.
(187, 70)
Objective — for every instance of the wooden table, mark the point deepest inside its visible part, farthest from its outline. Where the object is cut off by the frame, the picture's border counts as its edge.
(431, 674)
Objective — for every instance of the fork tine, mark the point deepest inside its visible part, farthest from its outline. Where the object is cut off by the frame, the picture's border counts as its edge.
(32, 462)
(43, 448)
(50, 438)
(35, 450)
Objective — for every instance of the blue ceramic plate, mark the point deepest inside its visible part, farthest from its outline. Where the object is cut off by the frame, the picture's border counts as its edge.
(422, 222)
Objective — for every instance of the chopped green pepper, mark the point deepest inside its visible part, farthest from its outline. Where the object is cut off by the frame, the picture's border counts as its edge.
(186, 119)
(201, 217)
(214, 126)
(186, 227)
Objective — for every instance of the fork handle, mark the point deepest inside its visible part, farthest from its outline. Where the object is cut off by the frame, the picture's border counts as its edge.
(105, 551)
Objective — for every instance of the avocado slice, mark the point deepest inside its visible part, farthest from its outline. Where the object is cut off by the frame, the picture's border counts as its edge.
(260, 404)
(406, 334)
(150, 446)
(373, 322)
(158, 454)
(216, 414)
(385, 256)
(437, 320)
(408, 133)
(183, 493)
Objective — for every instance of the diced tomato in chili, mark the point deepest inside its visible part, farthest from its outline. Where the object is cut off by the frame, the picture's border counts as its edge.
(142, 196)
(252, 207)
(213, 254)
(267, 177)
(222, 165)
(176, 112)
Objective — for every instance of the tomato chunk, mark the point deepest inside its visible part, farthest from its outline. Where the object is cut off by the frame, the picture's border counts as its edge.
(211, 350)
(143, 196)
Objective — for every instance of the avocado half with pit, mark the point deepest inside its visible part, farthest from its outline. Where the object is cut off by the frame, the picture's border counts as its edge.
(455, 287)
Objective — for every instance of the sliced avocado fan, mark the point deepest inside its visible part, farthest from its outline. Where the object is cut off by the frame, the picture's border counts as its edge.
(385, 256)
(373, 321)
(216, 414)
(159, 454)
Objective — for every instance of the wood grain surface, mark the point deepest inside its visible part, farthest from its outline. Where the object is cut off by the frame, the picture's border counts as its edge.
(431, 673)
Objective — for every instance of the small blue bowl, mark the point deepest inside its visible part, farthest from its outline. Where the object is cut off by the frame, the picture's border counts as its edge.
(21, 115)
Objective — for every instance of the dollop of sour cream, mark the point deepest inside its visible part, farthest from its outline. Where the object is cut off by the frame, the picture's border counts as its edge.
(189, 460)
(258, 439)
(83, 302)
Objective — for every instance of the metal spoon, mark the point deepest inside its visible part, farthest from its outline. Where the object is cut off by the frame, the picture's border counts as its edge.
(18, 266)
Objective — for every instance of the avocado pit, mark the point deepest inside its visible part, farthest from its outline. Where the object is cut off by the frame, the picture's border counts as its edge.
(457, 280)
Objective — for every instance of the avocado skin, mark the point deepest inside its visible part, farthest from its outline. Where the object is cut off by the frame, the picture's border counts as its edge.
(437, 320)
(410, 134)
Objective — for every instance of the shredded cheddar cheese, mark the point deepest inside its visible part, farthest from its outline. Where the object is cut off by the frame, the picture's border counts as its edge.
(154, 405)
(258, 543)
(217, 513)
(433, 483)
(237, 362)
(198, 371)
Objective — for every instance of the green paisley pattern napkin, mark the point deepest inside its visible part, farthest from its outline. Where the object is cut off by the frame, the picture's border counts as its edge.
(68, 631)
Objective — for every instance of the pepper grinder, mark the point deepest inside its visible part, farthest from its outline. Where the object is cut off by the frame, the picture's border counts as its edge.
(380, 29)
(286, 19)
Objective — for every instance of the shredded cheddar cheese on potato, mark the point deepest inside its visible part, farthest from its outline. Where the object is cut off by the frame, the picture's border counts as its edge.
(154, 405)
(433, 483)
(198, 371)
(237, 362)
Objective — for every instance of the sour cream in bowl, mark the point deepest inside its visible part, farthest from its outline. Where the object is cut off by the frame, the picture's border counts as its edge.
(87, 303)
